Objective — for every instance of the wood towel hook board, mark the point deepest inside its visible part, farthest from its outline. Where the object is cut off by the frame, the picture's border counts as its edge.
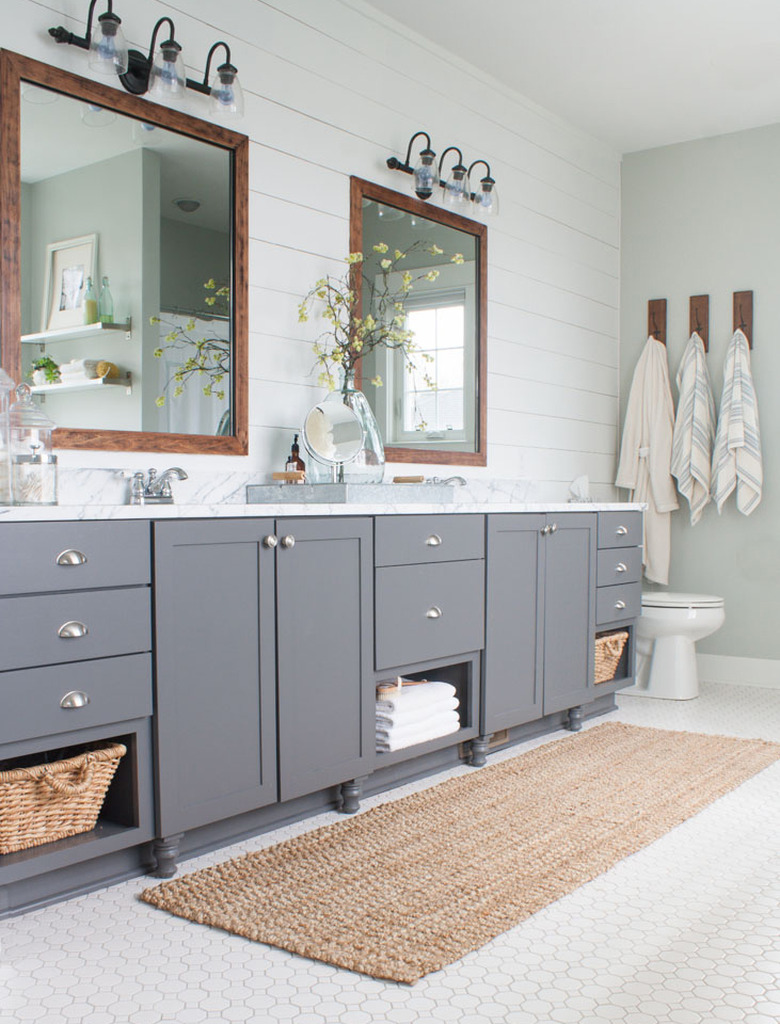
(743, 314)
(656, 319)
(699, 318)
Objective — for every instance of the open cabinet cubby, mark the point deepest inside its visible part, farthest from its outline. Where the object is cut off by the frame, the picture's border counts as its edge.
(462, 672)
(624, 671)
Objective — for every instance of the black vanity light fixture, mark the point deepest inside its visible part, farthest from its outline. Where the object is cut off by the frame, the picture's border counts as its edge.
(159, 74)
(456, 190)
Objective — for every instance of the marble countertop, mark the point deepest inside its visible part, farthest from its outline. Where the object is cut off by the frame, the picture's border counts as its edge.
(51, 513)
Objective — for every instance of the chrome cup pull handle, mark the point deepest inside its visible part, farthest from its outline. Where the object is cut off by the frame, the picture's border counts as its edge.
(621, 567)
(71, 557)
(620, 605)
(622, 531)
(74, 699)
(433, 541)
(72, 630)
(288, 541)
(433, 613)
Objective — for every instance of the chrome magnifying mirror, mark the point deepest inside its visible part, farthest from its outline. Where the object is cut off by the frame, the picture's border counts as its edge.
(333, 435)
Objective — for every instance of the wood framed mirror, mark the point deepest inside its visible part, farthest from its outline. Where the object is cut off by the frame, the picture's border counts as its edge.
(447, 423)
(151, 203)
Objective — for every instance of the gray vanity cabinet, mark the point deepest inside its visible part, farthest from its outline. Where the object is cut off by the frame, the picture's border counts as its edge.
(540, 615)
(263, 633)
(216, 701)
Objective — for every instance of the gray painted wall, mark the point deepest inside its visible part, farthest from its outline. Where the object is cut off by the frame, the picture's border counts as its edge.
(704, 217)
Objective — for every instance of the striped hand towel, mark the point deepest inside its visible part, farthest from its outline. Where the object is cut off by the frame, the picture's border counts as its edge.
(694, 429)
(736, 460)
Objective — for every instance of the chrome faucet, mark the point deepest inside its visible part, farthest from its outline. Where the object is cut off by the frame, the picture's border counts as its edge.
(448, 480)
(154, 489)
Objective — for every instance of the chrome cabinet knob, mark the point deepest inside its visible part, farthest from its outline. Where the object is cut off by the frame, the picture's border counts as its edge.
(288, 541)
(71, 557)
(433, 541)
(621, 531)
(72, 630)
(620, 605)
(433, 613)
(544, 531)
(621, 567)
(74, 699)
(554, 528)
(270, 541)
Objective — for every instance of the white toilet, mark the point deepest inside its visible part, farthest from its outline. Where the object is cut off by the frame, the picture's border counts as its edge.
(667, 631)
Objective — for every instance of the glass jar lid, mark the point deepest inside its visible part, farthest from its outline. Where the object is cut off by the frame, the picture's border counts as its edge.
(25, 414)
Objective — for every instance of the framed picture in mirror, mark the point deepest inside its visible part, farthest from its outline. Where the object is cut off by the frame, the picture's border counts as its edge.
(70, 264)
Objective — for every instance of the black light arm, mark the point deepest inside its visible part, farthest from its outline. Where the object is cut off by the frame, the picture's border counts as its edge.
(136, 78)
(62, 35)
(459, 164)
(488, 176)
(395, 164)
(227, 66)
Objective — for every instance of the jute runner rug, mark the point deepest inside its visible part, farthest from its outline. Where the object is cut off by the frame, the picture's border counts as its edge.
(411, 886)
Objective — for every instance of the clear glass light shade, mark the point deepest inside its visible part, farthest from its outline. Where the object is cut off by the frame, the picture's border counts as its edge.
(167, 78)
(94, 116)
(425, 176)
(486, 199)
(227, 96)
(107, 48)
(456, 191)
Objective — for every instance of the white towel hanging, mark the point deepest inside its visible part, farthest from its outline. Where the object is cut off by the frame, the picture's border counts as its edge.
(694, 428)
(736, 461)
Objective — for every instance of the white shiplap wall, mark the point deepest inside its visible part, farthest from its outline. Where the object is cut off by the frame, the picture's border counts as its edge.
(332, 89)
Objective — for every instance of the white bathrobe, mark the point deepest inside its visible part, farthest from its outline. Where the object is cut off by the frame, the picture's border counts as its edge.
(736, 460)
(694, 428)
(646, 455)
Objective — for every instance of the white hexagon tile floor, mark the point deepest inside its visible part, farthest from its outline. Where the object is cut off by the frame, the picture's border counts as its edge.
(687, 931)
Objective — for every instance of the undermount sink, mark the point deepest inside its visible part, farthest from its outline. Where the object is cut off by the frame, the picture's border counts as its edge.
(349, 494)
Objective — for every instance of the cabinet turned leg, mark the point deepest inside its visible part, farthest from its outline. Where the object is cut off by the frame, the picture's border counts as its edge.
(479, 749)
(575, 719)
(350, 796)
(166, 852)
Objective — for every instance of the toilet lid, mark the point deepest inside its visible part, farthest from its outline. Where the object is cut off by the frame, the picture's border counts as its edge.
(666, 599)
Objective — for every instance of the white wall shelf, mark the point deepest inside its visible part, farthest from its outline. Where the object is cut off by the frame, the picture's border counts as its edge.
(94, 384)
(74, 333)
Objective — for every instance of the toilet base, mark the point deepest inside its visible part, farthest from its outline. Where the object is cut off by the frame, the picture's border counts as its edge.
(666, 669)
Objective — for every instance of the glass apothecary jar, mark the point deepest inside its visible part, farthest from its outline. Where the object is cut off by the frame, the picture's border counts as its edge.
(33, 465)
(6, 390)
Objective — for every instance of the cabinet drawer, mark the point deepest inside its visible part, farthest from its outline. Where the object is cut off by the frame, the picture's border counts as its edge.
(116, 622)
(41, 557)
(619, 565)
(614, 603)
(405, 540)
(428, 611)
(118, 689)
(620, 529)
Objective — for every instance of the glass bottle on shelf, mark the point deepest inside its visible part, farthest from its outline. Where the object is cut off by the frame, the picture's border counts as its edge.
(6, 389)
(106, 304)
(33, 465)
(90, 303)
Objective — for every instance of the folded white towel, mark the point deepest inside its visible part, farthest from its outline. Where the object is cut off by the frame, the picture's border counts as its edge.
(416, 696)
(694, 429)
(397, 739)
(427, 724)
(83, 367)
(410, 715)
(736, 460)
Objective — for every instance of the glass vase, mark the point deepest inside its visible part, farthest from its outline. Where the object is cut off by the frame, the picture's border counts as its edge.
(369, 466)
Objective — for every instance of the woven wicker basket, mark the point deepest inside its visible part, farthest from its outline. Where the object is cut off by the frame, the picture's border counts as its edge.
(609, 650)
(51, 801)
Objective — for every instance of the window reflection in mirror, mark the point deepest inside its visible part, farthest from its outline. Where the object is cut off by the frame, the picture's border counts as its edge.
(156, 207)
(432, 411)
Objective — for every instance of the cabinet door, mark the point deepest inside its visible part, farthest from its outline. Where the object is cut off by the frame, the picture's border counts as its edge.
(324, 672)
(569, 612)
(214, 615)
(512, 692)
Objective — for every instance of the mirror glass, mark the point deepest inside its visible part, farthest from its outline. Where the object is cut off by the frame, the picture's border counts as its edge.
(130, 221)
(432, 411)
(154, 207)
(332, 433)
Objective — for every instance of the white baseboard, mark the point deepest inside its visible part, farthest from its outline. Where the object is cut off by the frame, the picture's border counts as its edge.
(722, 668)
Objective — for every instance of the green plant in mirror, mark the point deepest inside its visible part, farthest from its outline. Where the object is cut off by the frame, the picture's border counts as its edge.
(350, 335)
(201, 358)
